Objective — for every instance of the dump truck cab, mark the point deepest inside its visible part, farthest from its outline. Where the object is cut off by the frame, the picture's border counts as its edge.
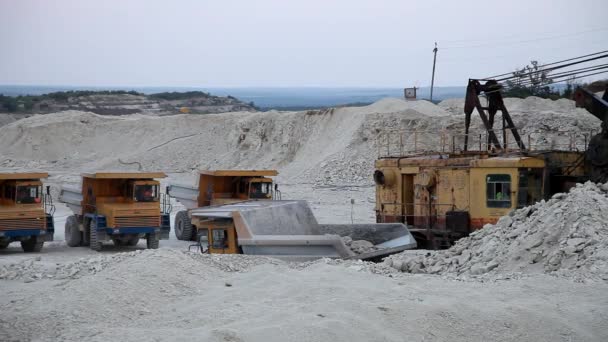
(221, 187)
(26, 211)
(118, 206)
(231, 186)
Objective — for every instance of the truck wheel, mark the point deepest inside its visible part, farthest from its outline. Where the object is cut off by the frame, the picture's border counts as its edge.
(33, 244)
(94, 243)
(183, 226)
(4, 244)
(72, 232)
(86, 232)
(152, 240)
(133, 241)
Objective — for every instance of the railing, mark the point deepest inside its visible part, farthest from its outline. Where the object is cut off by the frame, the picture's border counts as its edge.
(165, 204)
(49, 207)
(428, 216)
(408, 143)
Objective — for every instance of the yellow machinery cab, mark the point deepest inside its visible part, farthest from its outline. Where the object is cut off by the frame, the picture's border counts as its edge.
(117, 206)
(443, 197)
(230, 186)
(26, 211)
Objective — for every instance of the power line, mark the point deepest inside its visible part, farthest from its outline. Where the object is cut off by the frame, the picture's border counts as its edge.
(548, 64)
(565, 77)
(494, 43)
(588, 68)
(504, 38)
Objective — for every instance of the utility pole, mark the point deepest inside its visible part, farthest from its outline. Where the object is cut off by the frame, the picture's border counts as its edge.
(433, 78)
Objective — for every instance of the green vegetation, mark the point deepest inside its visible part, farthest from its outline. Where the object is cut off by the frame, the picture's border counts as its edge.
(63, 96)
(169, 96)
(8, 103)
(26, 102)
(21, 103)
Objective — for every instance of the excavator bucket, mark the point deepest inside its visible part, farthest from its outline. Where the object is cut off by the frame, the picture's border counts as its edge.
(288, 229)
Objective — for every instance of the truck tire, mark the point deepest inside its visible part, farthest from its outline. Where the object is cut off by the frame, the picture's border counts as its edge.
(86, 232)
(73, 237)
(4, 244)
(133, 241)
(183, 226)
(94, 243)
(152, 241)
(33, 244)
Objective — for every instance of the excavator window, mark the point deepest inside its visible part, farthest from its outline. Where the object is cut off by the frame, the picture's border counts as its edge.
(530, 187)
(498, 191)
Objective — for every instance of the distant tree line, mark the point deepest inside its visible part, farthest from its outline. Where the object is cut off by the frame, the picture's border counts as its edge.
(169, 96)
(12, 103)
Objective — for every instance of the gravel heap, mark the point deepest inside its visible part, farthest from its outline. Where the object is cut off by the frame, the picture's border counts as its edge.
(566, 235)
(37, 268)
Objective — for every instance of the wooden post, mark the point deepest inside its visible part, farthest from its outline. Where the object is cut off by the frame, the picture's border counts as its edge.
(433, 77)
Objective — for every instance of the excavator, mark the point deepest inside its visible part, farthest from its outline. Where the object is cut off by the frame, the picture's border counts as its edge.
(444, 195)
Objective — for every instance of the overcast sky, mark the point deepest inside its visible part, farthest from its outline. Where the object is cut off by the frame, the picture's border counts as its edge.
(287, 43)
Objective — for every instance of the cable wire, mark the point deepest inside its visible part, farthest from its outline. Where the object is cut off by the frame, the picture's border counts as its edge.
(548, 64)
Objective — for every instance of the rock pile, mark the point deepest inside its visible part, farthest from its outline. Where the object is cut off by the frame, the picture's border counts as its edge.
(359, 246)
(37, 268)
(566, 235)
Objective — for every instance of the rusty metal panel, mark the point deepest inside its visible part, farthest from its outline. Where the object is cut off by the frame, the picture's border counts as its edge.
(409, 169)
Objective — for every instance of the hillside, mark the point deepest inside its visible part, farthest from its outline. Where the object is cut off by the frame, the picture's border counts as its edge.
(119, 102)
(331, 147)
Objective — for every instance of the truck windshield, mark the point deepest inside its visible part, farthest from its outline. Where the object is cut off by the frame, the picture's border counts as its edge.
(260, 190)
(146, 193)
(28, 194)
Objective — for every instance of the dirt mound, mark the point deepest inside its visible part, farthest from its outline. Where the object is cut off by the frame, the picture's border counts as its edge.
(152, 261)
(566, 235)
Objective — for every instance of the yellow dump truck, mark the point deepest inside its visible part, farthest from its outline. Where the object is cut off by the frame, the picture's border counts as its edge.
(26, 212)
(221, 187)
(118, 206)
(240, 211)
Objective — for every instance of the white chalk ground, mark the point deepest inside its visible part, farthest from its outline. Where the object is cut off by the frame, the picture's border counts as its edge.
(132, 294)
